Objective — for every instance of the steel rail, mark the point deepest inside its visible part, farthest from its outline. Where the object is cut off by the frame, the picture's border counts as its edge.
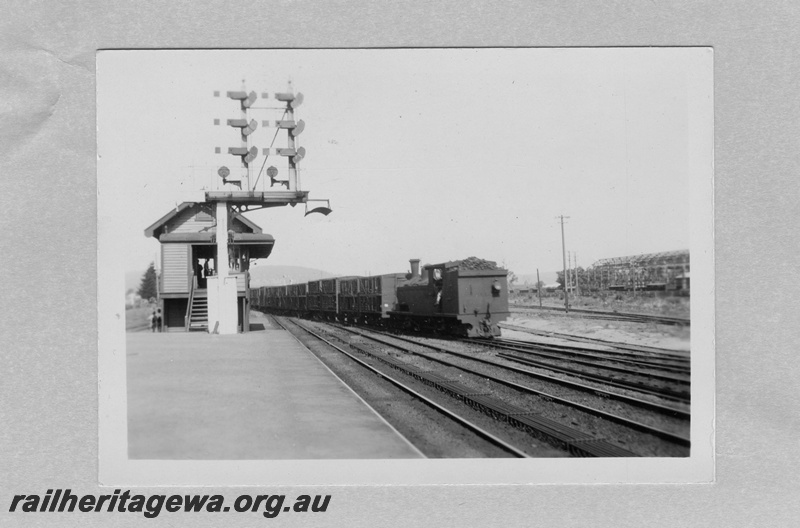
(664, 353)
(577, 442)
(619, 316)
(620, 384)
(655, 407)
(463, 421)
(678, 439)
(542, 351)
(664, 363)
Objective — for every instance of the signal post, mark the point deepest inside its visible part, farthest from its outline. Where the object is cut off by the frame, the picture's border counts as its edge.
(236, 192)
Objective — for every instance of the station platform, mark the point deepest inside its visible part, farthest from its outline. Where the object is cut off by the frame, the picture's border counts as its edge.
(254, 396)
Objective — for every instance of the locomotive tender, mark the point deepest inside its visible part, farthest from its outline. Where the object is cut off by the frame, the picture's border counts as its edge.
(464, 297)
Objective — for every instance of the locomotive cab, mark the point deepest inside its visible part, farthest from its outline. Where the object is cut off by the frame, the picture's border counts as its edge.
(468, 297)
(483, 300)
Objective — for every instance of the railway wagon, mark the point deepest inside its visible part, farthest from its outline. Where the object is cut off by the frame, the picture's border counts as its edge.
(324, 297)
(328, 299)
(256, 295)
(369, 300)
(313, 294)
(466, 297)
(348, 299)
(271, 297)
(278, 297)
(296, 295)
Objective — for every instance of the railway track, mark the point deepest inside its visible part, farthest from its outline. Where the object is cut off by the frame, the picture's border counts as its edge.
(616, 418)
(666, 410)
(637, 380)
(486, 435)
(656, 369)
(676, 396)
(576, 442)
(614, 316)
(609, 350)
(646, 351)
(674, 384)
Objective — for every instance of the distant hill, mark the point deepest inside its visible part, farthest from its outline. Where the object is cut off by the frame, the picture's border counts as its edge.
(278, 275)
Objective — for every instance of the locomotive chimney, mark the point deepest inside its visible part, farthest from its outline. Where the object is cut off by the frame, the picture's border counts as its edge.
(415, 268)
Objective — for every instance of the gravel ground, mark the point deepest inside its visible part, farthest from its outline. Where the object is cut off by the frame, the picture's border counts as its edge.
(637, 380)
(544, 407)
(587, 398)
(635, 441)
(440, 437)
(432, 433)
(671, 337)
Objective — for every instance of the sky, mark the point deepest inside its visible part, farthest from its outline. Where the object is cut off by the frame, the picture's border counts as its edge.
(431, 154)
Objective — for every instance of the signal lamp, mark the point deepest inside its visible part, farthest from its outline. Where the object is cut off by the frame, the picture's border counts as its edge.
(298, 128)
(297, 101)
(294, 100)
(246, 99)
(250, 128)
(251, 155)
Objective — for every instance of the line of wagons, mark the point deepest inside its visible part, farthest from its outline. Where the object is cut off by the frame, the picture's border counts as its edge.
(465, 297)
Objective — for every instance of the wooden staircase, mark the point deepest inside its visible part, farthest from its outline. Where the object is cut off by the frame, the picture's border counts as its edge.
(197, 318)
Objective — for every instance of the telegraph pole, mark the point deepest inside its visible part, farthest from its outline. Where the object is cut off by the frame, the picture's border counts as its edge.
(570, 269)
(564, 262)
(568, 278)
(539, 287)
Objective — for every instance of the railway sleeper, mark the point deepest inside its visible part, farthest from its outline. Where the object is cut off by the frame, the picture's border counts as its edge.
(576, 442)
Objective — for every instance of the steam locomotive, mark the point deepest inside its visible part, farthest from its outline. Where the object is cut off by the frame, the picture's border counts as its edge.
(464, 297)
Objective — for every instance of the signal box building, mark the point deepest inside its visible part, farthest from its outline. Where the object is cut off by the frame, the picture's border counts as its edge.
(188, 237)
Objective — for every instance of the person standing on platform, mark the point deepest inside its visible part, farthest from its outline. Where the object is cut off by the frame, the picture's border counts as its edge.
(201, 281)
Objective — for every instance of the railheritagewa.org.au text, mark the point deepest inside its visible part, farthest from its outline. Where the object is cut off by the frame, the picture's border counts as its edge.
(59, 501)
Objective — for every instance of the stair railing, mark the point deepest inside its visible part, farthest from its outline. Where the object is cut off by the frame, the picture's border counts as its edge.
(188, 316)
